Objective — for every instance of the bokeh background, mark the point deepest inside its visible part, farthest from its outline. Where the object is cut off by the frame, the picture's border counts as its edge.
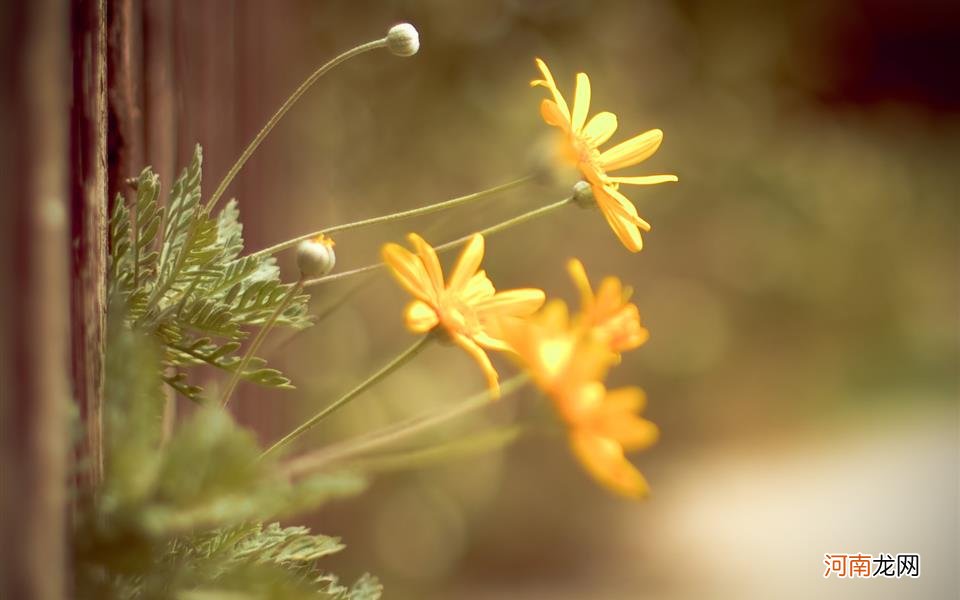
(800, 282)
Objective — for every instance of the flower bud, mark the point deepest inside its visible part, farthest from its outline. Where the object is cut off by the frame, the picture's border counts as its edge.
(315, 257)
(583, 194)
(403, 40)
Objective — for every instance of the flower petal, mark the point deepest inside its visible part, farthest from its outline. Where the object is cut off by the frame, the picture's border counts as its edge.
(625, 208)
(420, 317)
(626, 231)
(516, 303)
(551, 115)
(603, 459)
(482, 359)
(478, 288)
(645, 180)
(467, 264)
(581, 102)
(632, 151)
(549, 83)
(600, 128)
(408, 270)
(430, 261)
(579, 276)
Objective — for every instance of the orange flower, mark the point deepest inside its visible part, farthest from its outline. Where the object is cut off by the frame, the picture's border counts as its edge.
(569, 367)
(467, 306)
(608, 314)
(603, 425)
(580, 147)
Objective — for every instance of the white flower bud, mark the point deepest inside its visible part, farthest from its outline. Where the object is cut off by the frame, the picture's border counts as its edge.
(403, 40)
(583, 194)
(315, 257)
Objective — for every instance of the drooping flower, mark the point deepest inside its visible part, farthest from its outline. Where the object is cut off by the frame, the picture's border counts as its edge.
(608, 314)
(569, 367)
(466, 306)
(605, 424)
(580, 145)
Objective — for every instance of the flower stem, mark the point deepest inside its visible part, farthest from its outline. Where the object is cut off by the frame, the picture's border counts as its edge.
(519, 219)
(390, 367)
(257, 340)
(404, 429)
(440, 453)
(406, 214)
(288, 103)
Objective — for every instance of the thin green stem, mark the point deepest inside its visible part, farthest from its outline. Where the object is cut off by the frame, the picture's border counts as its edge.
(288, 103)
(404, 429)
(257, 340)
(440, 453)
(519, 219)
(406, 214)
(390, 367)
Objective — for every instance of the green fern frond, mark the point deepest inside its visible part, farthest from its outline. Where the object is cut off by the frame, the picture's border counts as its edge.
(181, 274)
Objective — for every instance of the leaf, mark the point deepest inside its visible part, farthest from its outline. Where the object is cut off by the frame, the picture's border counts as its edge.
(133, 409)
(183, 277)
(292, 544)
(204, 350)
(208, 457)
(230, 231)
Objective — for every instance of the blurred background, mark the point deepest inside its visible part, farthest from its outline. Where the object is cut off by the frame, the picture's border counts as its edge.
(800, 282)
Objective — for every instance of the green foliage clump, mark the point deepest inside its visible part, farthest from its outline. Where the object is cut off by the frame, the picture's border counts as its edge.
(192, 515)
(179, 273)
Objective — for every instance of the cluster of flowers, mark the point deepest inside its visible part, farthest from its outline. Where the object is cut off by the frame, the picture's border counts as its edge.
(566, 357)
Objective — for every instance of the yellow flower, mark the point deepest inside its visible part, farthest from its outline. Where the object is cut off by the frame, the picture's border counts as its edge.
(569, 367)
(466, 307)
(580, 147)
(603, 425)
(608, 314)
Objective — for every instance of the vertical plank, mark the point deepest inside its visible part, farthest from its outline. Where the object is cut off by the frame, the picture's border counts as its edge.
(88, 194)
(124, 94)
(34, 292)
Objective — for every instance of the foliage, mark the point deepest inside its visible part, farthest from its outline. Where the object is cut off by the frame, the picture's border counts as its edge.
(178, 272)
(182, 518)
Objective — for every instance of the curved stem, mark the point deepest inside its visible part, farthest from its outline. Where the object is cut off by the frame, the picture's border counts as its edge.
(404, 429)
(309, 81)
(257, 340)
(390, 367)
(406, 214)
(519, 219)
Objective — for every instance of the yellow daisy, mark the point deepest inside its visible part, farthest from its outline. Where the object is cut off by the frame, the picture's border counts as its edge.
(569, 367)
(608, 314)
(466, 307)
(580, 147)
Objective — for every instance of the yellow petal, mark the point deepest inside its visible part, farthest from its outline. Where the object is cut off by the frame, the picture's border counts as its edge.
(517, 303)
(552, 115)
(581, 102)
(477, 288)
(631, 432)
(632, 151)
(625, 230)
(482, 359)
(646, 179)
(625, 208)
(420, 317)
(579, 276)
(468, 263)
(548, 83)
(625, 399)
(430, 261)
(603, 459)
(408, 270)
(600, 128)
